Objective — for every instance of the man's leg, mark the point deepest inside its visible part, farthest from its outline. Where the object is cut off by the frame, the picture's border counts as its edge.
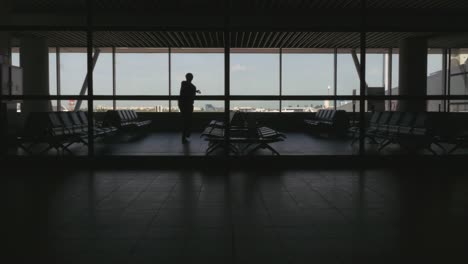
(189, 121)
(183, 117)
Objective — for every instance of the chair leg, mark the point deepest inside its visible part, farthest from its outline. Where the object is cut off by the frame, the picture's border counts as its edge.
(386, 143)
(440, 146)
(458, 145)
(263, 146)
(254, 149)
(431, 150)
(272, 149)
(47, 149)
(212, 148)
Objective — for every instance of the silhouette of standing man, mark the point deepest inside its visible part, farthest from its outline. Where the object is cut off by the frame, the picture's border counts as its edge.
(187, 96)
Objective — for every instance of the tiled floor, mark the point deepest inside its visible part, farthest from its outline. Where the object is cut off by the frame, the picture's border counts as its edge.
(236, 216)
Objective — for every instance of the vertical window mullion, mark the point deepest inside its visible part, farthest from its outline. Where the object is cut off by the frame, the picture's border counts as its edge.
(227, 91)
(390, 75)
(444, 78)
(362, 103)
(170, 77)
(90, 66)
(58, 78)
(335, 76)
(114, 80)
(280, 79)
(449, 78)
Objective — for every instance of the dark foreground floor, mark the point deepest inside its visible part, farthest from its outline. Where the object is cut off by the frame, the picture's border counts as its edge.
(245, 216)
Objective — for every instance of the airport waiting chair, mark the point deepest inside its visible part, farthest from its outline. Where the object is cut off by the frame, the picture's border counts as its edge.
(125, 119)
(328, 121)
(243, 140)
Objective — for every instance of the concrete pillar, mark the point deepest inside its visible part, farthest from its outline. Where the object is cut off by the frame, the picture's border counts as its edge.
(413, 73)
(34, 59)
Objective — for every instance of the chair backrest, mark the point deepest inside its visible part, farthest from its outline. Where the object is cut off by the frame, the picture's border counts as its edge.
(324, 115)
(74, 118)
(65, 119)
(320, 114)
(133, 114)
(375, 117)
(251, 125)
(127, 115)
(54, 120)
(384, 118)
(396, 116)
(121, 116)
(231, 116)
(83, 117)
(238, 118)
(332, 115)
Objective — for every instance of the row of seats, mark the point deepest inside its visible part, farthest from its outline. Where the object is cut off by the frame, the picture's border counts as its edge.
(330, 121)
(59, 130)
(246, 136)
(404, 128)
(75, 123)
(125, 119)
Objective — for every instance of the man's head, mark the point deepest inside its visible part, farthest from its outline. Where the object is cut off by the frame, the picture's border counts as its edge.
(189, 77)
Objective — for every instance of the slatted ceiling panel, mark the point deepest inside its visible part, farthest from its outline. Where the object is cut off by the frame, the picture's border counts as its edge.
(417, 4)
(243, 39)
(159, 39)
(389, 39)
(450, 40)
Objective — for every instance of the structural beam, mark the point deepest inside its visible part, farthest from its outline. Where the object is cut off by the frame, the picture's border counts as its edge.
(84, 87)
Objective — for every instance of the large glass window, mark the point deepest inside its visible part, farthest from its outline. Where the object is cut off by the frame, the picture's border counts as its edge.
(435, 80)
(348, 82)
(207, 67)
(458, 79)
(52, 71)
(305, 72)
(102, 74)
(142, 71)
(375, 68)
(458, 72)
(15, 57)
(255, 73)
(73, 69)
(395, 71)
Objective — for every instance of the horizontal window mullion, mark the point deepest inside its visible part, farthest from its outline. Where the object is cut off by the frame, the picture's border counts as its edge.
(46, 97)
(236, 97)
